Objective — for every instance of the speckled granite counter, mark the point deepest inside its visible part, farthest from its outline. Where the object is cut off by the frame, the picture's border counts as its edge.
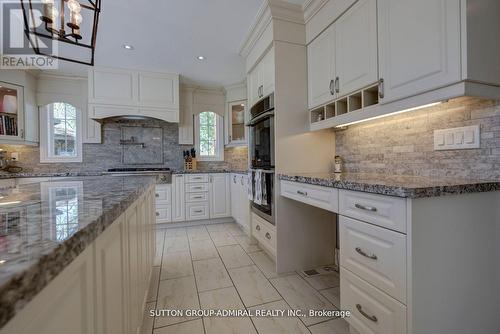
(394, 185)
(46, 225)
(210, 171)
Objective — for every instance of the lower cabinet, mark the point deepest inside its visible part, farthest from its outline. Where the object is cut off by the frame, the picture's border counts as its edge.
(220, 196)
(103, 291)
(240, 205)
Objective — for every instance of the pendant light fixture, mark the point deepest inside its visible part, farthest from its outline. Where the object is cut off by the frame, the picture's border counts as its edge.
(73, 22)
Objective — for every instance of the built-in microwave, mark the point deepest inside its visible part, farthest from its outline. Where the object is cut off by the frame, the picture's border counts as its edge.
(261, 134)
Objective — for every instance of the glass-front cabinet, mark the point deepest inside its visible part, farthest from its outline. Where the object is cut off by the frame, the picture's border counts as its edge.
(237, 131)
(11, 112)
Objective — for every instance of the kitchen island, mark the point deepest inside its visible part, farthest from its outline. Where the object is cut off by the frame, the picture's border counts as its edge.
(76, 254)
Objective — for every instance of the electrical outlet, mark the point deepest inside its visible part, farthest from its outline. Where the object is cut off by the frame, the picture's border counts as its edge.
(14, 156)
(464, 138)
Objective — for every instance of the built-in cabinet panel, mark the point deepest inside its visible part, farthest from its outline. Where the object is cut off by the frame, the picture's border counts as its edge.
(321, 68)
(186, 117)
(178, 201)
(356, 47)
(220, 196)
(261, 78)
(135, 93)
(240, 205)
(418, 55)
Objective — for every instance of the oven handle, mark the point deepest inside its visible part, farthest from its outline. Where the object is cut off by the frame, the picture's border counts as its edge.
(261, 117)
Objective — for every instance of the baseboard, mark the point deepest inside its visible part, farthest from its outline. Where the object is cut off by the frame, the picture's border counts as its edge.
(196, 223)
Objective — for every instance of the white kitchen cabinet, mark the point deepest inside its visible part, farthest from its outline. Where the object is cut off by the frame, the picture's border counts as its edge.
(261, 78)
(240, 207)
(220, 195)
(356, 47)
(321, 68)
(235, 117)
(418, 55)
(343, 58)
(178, 198)
(133, 93)
(163, 200)
(186, 117)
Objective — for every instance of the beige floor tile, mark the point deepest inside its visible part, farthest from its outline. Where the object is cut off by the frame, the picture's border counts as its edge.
(300, 295)
(333, 295)
(222, 238)
(253, 286)
(249, 244)
(147, 321)
(224, 299)
(175, 232)
(215, 227)
(153, 284)
(235, 230)
(335, 326)
(278, 325)
(196, 233)
(176, 244)
(210, 274)
(203, 249)
(175, 265)
(178, 294)
(188, 327)
(321, 282)
(234, 256)
(265, 263)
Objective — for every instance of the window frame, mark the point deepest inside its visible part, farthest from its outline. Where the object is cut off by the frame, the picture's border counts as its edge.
(47, 140)
(219, 139)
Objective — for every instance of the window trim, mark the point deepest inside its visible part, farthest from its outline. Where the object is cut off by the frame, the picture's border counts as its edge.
(219, 140)
(46, 155)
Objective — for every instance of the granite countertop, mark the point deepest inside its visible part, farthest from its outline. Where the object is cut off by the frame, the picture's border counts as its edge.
(46, 225)
(395, 185)
(214, 171)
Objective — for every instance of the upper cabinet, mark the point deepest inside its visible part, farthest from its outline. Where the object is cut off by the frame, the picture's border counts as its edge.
(117, 92)
(418, 55)
(235, 119)
(261, 78)
(343, 58)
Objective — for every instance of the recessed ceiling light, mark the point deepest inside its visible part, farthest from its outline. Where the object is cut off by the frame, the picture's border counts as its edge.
(128, 47)
(201, 58)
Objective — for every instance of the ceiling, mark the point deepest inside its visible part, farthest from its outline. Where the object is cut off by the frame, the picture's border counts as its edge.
(168, 35)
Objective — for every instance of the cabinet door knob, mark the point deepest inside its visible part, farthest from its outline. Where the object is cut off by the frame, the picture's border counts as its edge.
(268, 236)
(364, 314)
(381, 88)
(157, 214)
(257, 227)
(157, 195)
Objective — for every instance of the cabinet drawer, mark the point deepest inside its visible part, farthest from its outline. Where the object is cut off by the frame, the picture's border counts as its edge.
(197, 211)
(196, 178)
(197, 197)
(264, 233)
(196, 187)
(163, 213)
(321, 197)
(372, 311)
(385, 211)
(163, 194)
(376, 254)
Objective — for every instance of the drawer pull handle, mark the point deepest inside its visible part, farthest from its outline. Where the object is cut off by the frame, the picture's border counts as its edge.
(197, 197)
(366, 208)
(300, 192)
(268, 236)
(369, 317)
(257, 227)
(360, 251)
(198, 211)
(197, 188)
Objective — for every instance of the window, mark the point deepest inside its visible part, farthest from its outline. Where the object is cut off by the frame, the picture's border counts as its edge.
(209, 136)
(60, 133)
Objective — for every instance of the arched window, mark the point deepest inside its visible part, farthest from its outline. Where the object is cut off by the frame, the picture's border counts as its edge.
(209, 136)
(60, 133)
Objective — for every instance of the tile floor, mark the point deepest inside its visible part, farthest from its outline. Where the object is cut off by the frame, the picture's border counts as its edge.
(218, 267)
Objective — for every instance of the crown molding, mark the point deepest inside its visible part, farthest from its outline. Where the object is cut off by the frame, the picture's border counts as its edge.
(237, 85)
(269, 10)
(46, 75)
(311, 7)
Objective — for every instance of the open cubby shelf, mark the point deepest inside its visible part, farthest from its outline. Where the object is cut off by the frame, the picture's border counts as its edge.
(354, 102)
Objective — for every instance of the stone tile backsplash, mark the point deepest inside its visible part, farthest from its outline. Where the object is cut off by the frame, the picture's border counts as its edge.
(404, 144)
(110, 154)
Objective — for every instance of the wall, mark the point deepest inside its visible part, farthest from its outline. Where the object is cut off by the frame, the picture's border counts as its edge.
(403, 144)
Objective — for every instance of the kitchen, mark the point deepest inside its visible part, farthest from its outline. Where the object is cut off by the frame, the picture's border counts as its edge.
(318, 166)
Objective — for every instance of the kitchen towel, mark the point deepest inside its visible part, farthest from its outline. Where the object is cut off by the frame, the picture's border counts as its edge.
(250, 185)
(257, 199)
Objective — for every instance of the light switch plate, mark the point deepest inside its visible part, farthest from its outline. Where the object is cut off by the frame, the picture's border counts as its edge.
(464, 138)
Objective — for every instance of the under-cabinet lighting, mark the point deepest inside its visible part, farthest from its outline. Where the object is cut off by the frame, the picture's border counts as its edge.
(10, 203)
(390, 114)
